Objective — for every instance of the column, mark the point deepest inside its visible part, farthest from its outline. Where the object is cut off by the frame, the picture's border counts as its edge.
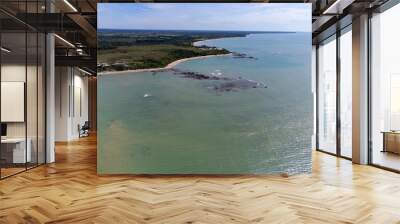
(360, 90)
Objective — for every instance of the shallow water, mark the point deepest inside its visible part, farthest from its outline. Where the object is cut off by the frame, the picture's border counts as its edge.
(163, 123)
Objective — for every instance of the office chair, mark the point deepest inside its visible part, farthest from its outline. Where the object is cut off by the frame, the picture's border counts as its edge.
(84, 130)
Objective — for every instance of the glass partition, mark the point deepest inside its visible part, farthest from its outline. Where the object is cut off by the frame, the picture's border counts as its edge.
(41, 97)
(15, 151)
(22, 88)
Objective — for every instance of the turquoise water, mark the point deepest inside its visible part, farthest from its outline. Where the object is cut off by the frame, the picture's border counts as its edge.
(184, 126)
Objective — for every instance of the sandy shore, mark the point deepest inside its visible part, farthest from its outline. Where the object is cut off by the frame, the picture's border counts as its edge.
(169, 66)
(198, 42)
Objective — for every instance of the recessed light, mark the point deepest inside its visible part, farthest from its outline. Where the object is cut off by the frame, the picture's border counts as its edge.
(70, 5)
(86, 72)
(64, 40)
(5, 50)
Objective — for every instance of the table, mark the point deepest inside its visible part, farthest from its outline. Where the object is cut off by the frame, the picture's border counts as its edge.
(19, 154)
(391, 141)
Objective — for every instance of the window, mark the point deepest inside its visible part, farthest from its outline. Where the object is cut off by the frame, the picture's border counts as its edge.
(346, 92)
(327, 95)
(385, 89)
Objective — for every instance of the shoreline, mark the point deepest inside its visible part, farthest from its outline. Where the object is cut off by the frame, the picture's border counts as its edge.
(169, 66)
(219, 38)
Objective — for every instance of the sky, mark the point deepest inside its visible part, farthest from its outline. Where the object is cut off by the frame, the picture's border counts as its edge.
(206, 16)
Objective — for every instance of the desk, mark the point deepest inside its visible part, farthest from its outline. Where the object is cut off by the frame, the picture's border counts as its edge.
(391, 141)
(19, 154)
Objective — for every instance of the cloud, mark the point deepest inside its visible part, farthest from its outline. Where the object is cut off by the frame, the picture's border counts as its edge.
(217, 16)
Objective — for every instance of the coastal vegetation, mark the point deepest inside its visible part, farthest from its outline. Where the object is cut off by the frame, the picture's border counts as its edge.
(151, 56)
(140, 49)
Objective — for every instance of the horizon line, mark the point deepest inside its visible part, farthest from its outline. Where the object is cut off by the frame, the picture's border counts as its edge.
(288, 31)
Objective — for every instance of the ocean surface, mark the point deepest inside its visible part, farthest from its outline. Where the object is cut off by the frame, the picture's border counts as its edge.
(166, 123)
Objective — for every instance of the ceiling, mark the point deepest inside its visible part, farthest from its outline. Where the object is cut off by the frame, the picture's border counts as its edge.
(76, 21)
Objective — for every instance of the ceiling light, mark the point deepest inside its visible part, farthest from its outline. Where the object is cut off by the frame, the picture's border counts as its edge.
(337, 7)
(331, 7)
(70, 5)
(79, 51)
(64, 40)
(5, 50)
(86, 72)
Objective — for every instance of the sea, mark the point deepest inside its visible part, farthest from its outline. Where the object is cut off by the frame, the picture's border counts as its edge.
(169, 123)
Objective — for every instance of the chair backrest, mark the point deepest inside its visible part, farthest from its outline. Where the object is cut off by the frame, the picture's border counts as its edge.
(86, 124)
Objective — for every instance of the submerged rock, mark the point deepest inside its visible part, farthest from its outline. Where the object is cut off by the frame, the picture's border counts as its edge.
(238, 84)
(197, 75)
(242, 55)
(223, 84)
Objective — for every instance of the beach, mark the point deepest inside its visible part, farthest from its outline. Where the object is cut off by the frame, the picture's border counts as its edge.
(169, 66)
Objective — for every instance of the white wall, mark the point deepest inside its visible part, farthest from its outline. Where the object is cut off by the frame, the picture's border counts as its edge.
(62, 82)
(17, 72)
(80, 105)
(14, 72)
(71, 102)
(33, 127)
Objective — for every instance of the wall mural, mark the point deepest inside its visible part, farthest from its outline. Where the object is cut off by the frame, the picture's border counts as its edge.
(204, 88)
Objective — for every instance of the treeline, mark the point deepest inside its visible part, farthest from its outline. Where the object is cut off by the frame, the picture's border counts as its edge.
(172, 56)
(153, 49)
(111, 42)
(113, 39)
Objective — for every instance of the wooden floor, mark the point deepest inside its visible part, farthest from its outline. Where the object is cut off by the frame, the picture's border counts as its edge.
(5, 172)
(386, 159)
(69, 191)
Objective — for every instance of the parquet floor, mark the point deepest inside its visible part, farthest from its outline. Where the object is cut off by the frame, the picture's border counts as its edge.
(69, 191)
